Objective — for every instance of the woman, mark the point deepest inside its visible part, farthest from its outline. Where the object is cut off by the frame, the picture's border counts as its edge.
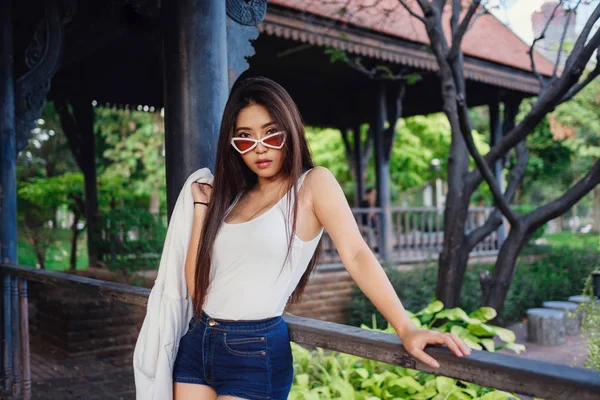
(254, 243)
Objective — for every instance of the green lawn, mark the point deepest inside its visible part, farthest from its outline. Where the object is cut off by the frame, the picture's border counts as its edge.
(578, 240)
(59, 253)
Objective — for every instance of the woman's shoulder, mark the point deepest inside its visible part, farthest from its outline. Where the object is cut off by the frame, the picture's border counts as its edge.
(318, 177)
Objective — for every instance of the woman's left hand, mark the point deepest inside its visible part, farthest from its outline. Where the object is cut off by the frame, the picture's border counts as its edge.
(416, 339)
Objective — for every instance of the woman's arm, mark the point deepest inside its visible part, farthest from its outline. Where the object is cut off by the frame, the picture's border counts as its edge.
(333, 212)
(200, 192)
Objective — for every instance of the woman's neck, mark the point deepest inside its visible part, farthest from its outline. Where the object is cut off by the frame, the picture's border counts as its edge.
(267, 185)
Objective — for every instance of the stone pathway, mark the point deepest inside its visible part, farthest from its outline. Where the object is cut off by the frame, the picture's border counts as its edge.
(573, 353)
(55, 376)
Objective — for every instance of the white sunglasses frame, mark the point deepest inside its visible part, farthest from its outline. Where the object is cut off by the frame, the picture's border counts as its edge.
(257, 141)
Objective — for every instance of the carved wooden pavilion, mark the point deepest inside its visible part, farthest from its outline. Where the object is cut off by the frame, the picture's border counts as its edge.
(184, 56)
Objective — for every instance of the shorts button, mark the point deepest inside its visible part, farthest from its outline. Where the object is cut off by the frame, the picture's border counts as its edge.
(262, 338)
(263, 353)
(211, 322)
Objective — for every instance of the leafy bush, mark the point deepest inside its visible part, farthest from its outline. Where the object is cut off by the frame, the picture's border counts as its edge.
(416, 289)
(320, 374)
(471, 328)
(131, 238)
(555, 276)
(591, 326)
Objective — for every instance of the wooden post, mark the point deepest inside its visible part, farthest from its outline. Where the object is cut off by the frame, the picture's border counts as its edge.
(195, 86)
(16, 336)
(382, 174)
(358, 170)
(496, 133)
(8, 180)
(25, 354)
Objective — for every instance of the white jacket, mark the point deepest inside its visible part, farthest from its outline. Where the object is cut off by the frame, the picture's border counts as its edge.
(169, 309)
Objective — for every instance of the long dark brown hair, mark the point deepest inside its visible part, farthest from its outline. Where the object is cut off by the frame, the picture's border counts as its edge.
(232, 175)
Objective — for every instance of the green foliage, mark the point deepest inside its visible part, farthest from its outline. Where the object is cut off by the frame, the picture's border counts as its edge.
(320, 374)
(52, 192)
(416, 289)
(563, 147)
(133, 238)
(131, 144)
(556, 275)
(57, 253)
(471, 328)
(419, 140)
(590, 326)
(589, 241)
(38, 201)
(336, 55)
(328, 150)
(47, 153)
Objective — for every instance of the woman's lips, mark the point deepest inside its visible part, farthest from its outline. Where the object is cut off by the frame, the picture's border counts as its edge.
(262, 164)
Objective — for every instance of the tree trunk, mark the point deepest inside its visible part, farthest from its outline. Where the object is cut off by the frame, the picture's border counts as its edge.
(454, 256)
(596, 223)
(455, 253)
(74, 237)
(505, 268)
(574, 225)
(40, 253)
(154, 208)
(78, 126)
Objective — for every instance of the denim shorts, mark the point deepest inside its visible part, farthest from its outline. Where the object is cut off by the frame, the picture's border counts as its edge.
(247, 359)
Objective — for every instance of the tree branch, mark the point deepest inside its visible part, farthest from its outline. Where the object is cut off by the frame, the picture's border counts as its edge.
(547, 101)
(394, 113)
(411, 12)
(344, 134)
(439, 4)
(540, 216)
(366, 153)
(465, 128)
(459, 32)
(70, 128)
(589, 78)
(562, 39)
(582, 38)
(495, 219)
(541, 37)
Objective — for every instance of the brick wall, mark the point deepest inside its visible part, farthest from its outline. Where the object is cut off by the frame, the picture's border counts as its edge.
(327, 297)
(80, 325)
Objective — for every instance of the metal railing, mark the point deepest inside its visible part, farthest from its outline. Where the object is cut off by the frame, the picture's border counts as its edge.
(504, 372)
(417, 233)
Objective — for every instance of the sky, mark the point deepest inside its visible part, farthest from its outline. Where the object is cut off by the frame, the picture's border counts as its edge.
(517, 14)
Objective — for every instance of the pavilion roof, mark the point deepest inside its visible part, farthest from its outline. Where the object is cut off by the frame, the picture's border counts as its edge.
(487, 39)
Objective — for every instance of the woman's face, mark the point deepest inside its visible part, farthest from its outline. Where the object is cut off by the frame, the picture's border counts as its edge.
(255, 122)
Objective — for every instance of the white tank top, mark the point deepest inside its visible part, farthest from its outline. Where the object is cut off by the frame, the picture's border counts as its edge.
(248, 278)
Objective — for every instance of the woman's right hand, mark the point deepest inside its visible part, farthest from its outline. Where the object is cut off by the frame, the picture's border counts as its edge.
(201, 192)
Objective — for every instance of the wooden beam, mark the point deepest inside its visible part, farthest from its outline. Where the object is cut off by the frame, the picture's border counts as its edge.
(358, 165)
(8, 181)
(504, 372)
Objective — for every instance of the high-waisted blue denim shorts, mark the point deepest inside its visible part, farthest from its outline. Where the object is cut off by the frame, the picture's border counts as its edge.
(247, 359)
